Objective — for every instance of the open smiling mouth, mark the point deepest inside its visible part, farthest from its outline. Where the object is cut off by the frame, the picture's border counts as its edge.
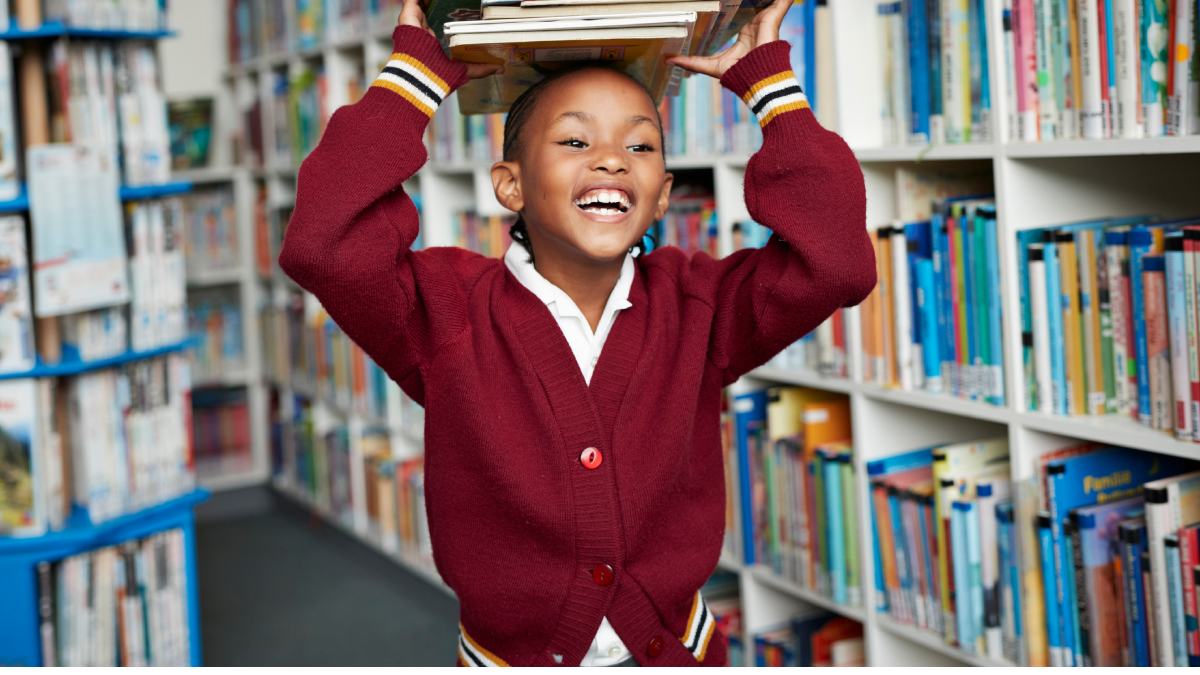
(604, 202)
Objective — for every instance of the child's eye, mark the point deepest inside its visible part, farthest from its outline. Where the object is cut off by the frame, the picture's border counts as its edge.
(573, 143)
(642, 147)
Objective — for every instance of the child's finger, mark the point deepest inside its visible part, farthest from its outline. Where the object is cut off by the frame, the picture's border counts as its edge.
(478, 70)
(770, 19)
(411, 14)
(705, 65)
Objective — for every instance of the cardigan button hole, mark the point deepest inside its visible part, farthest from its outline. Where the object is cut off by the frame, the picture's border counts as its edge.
(655, 647)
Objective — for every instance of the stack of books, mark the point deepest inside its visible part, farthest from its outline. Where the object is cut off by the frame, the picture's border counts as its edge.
(533, 38)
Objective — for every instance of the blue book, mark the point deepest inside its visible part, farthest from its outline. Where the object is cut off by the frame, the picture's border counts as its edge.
(809, 11)
(941, 299)
(959, 513)
(1051, 600)
(748, 408)
(1010, 582)
(913, 459)
(918, 239)
(1140, 240)
(1132, 533)
(1069, 607)
(1098, 545)
(980, 38)
(904, 569)
(995, 363)
(834, 527)
(1054, 303)
(926, 506)
(926, 293)
(1178, 626)
(918, 65)
(974, 574)
(881, 591)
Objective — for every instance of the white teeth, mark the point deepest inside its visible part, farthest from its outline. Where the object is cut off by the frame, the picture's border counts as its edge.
(605, 196)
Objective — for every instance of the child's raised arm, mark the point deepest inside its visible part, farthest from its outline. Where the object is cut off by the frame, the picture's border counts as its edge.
(349, 236)
(806, 185)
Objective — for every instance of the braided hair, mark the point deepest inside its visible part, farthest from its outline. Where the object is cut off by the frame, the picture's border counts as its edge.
(514, 124)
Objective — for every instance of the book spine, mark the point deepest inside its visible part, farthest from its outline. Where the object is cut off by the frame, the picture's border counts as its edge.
(1041, 329)
(1053, 623)
(916, 16)
(1089, 302)
(1176, 285)
(1128, 66)
(1014, 91)
(1079, 574)
(1154, 41)
(1158, 358)
(1139, 247)
(1189, 551)
(962, 581)
(1074, 83)
(1104, 293)
(1178, 627)
(901, 298)
(1072, 324)
(955, 62)
(1058, 370)
(1027, 48)
(1162, 519)
(1191, 267)
(1180, 119)
(990, 571)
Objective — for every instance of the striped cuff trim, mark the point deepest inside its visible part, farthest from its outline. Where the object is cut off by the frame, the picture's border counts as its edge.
(413, 80)
(471, 654)
(774, 95)
(700, 628)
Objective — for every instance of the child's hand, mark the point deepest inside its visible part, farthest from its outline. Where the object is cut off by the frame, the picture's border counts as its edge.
(411, 14)
(762, 29)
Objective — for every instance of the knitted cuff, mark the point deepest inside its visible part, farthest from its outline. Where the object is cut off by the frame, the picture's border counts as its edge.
(419, 71)
(764, 79)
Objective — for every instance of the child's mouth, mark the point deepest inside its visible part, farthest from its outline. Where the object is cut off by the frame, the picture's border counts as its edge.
(604, 202)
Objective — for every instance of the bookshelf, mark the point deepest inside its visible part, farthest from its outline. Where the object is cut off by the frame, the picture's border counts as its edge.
(69, 527)
(1035, 184)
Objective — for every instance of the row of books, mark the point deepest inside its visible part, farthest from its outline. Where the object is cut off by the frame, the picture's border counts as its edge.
(158, 288)
(395, 497)
(124, 605)
(259, 27)
(106, 14)
(211, 240)
(221, 432)
(942, 552)
(811, 640)
(822, 351)
(215, 317)
(1110, 323)
(934, 321)
(106, 94)
(690, 223)
(796, 488)
(933, 72)
(1109, 69)
(103, 443)
(689, 116)
(487, 235)
(301, 102)
(304, 347)
(321, 444)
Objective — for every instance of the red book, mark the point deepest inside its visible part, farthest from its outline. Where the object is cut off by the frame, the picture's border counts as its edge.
(836, 630)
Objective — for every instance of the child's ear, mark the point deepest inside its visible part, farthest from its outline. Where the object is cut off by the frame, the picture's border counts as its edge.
(664, 196)
(507, 185)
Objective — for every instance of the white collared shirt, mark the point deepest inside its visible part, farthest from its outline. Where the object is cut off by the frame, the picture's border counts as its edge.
(607, 648)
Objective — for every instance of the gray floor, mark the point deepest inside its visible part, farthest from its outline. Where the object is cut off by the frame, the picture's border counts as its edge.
(280, 588)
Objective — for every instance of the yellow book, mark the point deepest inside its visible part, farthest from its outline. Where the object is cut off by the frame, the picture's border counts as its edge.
(1072, 324)
(1089, 279)
(785, 409)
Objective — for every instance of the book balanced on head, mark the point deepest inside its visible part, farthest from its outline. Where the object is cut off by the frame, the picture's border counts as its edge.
(530, 39)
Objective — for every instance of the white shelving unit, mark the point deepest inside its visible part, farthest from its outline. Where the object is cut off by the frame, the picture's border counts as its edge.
(1035, 185)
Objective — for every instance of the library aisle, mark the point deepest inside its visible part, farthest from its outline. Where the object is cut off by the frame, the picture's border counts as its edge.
(283, 588)
(992, 460)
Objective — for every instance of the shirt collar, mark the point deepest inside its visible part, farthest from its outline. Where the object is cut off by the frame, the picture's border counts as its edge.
(516, 259)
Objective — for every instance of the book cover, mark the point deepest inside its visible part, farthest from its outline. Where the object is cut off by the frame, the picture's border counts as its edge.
(1189, 553)
(22, 502)
(528, 56)
(1176, 311)
(1132, 533)
(1177, 628)
(1098, 547)
(749, 408)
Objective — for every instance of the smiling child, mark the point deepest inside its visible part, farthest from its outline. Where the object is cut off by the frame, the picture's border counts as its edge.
(573, 466)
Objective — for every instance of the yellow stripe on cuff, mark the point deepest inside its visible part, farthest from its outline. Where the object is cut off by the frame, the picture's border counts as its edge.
(409, 96)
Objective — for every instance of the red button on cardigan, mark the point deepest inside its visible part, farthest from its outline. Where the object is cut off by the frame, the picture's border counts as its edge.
(602, 575)
(591, 458)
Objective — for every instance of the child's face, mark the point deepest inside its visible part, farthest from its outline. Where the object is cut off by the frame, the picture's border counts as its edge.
(590, 177)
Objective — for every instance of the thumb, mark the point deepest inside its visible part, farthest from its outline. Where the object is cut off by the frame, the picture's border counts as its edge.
(705, 65)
